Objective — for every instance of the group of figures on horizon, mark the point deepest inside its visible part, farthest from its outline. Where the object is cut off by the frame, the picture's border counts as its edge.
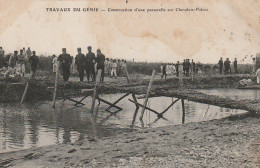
(227, 66)
(185, 69)
(15, 64)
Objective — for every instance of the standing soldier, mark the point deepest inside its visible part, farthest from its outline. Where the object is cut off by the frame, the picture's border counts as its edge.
(184, 67)
(65, 61)
(13, 59)
(164, 71)
(21, 62)
(188, 65)
(33, 60)
(101, 64)
(227, 66)
(220, 64)
(177, 68)
(2, 53)
(235, 65)
(90, 63)
(80, 63)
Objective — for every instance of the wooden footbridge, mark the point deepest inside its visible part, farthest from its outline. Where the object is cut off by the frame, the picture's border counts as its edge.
(144, 91)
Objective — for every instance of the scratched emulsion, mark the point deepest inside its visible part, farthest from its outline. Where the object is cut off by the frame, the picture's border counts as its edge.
(229, 28)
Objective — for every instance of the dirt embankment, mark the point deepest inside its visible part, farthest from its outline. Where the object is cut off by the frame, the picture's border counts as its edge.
(229, 142)
(39, 89)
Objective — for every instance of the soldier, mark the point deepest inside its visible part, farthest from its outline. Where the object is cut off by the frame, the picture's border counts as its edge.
(33, 60)
(80, 63)
(65, 61)
(184, 67)
(28, 53)
(193, 66)
(177, 68)
(188, 65)
(21, 62)
(220, 64)
(163, 71)
(235, 65)
(2, 53)
(90, 63)
(227, 66)
(101, 64)
(13, 59)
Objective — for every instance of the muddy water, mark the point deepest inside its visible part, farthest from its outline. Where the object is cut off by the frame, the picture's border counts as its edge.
(237, 94)
(33, 125)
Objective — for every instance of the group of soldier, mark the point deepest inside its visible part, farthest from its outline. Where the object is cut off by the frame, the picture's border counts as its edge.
(186, 68)
(227, 66)
(15, 64)
(89, 63)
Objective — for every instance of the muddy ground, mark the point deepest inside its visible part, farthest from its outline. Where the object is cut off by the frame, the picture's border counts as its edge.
(229, 142)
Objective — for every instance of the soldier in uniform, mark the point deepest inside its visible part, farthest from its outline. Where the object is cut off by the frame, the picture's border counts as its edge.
(80, 63)
(2, 53)
(90, 64)
(33, 60)
(65, 61)
(220, 64)
(101, 64)
(235, 65)
(13, 59)
(21, 62)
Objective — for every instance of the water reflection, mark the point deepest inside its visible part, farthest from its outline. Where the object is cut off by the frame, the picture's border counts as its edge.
(33, 125)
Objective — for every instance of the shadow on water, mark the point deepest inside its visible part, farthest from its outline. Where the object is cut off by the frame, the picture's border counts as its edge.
(25, 126)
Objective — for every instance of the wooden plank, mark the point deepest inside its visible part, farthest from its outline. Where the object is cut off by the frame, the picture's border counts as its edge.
(136, 110)
(145, 107)
(95, 92)
(74, 100)
(25, 91)
(169, 106)
(183, 111)
(118, 100)
(112, 105)
(56, 85)
(147, 94)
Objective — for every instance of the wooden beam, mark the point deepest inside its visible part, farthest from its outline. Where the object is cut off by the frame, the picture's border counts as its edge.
(112, 105)
(164, 111)
(183, 111)
(136, 110)
(158, 114)
(118, 100)
(56, 85)
(25, 91)
(147, 94)
(95, 91)
(74, 101)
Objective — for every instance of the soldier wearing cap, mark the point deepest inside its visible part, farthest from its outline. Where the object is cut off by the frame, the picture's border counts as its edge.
(65, 61)
(90, 64)
(101, 64)
(80, 63)
(21, 62)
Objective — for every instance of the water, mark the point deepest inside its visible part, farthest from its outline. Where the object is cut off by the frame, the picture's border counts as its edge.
(24, 126)
(237, 94)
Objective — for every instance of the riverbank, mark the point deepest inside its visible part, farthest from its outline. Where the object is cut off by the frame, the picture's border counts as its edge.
(229, 142)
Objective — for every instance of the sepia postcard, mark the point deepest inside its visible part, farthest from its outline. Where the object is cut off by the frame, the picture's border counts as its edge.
(129, 83)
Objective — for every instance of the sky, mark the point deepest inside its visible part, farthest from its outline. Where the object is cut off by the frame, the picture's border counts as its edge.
(229, 28)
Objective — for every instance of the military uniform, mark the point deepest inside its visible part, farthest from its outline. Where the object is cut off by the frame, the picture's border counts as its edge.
(33, 60)
(101, 65)
(80, 63)
(90, 63)
(65, 61)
